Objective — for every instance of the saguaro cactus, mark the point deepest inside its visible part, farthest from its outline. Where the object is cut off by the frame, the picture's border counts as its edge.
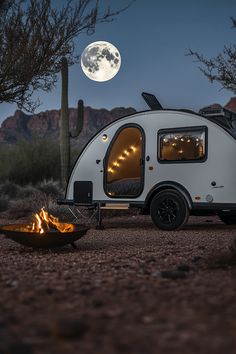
(80, 120)
(64, 123)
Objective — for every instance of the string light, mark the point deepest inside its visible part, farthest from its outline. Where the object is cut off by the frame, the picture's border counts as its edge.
(121, 158)
(178, 142)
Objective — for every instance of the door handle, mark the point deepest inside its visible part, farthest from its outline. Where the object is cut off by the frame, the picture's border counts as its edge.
(141, 162)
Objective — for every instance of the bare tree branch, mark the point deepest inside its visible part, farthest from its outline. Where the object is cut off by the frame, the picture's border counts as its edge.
(33, 40)
(221, 68)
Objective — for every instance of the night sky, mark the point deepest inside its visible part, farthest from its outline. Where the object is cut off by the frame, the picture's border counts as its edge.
(153, 37)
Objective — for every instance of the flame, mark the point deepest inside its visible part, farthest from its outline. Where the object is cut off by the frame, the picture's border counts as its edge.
(45, 222)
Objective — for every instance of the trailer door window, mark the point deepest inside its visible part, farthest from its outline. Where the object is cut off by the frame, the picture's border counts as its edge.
(124, 168)
(182, 145)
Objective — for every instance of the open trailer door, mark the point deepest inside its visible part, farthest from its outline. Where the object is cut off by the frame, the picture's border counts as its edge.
(124, 163)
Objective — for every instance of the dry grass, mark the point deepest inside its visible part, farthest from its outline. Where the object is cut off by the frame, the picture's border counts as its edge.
(4, 202)
(22, 201)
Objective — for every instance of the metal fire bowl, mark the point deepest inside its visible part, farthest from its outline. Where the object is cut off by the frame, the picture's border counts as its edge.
(49, 239)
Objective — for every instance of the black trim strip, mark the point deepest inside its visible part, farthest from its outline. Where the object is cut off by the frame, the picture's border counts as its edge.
(130, 202)
(72, 203)
(65, 201)
(214, 206)
(217, 207)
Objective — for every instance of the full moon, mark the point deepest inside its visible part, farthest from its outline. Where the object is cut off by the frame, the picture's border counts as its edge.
(100, 61)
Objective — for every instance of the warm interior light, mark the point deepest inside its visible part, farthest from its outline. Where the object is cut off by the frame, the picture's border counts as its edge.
(116, 164)
(104, 137)
(133, 148)
(181, 146)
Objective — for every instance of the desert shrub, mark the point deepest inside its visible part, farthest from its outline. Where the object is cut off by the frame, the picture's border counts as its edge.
(50, 188)
(21, 208)
(26, 191)
(5, 161)
(10, 189)
(4, 202)
(28, 206)
(31, 161)
(60, 211)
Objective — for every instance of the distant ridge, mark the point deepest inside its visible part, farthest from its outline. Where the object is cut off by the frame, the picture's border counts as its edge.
(46, 124)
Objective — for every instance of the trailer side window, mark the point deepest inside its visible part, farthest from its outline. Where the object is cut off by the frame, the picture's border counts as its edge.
(182, 145)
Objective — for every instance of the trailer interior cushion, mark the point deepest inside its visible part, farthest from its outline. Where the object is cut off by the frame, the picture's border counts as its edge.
(125, 186)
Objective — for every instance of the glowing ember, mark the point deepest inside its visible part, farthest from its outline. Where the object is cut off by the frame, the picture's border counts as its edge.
(45, 222)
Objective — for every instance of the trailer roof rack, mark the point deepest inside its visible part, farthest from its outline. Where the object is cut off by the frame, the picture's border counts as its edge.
(152, 101)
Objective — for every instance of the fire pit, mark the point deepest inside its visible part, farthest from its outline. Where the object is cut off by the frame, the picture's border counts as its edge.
(45, 232)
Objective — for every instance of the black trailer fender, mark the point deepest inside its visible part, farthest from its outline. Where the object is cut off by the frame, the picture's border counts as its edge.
(168, 185)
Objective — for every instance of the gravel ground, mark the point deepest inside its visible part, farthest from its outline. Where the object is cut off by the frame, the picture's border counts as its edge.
(127, 289)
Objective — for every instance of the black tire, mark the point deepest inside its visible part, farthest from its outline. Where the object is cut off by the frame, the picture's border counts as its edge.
(169, 210)
(228, 219)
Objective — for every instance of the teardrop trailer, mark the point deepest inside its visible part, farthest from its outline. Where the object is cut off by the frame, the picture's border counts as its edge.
(170, 163)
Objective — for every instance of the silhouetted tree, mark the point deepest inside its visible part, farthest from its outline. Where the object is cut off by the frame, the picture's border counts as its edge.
(34, 37)
(222, 68)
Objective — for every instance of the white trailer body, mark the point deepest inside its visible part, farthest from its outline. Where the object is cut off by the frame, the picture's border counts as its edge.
(170, 163)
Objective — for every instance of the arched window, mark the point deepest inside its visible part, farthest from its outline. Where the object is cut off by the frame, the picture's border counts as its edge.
(124, 164)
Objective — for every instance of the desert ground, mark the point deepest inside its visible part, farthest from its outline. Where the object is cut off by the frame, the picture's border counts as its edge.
(129, 288)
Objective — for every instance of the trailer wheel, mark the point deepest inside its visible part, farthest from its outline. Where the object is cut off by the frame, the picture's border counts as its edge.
(169, 210)
(228, 219)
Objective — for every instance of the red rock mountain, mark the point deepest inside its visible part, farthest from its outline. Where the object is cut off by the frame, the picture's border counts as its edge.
(231, 105)
(46, 124)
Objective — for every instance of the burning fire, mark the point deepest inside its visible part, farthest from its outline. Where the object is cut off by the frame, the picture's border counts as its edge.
(45, 222)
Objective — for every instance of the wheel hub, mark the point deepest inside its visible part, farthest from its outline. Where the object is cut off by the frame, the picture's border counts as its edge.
(167, 211)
